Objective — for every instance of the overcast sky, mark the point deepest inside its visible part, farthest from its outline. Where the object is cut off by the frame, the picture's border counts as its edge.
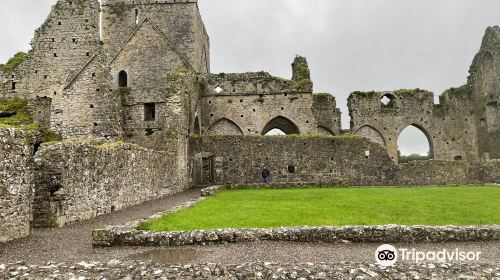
(350, 44)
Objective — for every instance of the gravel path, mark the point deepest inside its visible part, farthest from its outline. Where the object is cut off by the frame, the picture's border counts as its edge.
(73, 243)
(290, 252)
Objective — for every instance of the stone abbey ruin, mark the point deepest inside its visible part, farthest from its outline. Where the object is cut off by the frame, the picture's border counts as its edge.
(123, 111)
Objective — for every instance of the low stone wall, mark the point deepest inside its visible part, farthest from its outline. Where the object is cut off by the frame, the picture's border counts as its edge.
(16, 183)
(432, 172)
(125, 236)
(78, 181)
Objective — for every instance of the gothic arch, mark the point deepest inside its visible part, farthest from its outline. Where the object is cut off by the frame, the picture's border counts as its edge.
(283, 124)
(371, 133)
(427, 135)
(224, 127)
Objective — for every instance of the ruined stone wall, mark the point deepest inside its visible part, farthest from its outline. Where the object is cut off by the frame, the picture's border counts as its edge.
(327, 160)
(178, 21)
(76, 181)
(254, 103)
(484, 83)
(448, 127)
(465, 125)
(429, 172)
(330, 161)
(63, 44)
(16, 183)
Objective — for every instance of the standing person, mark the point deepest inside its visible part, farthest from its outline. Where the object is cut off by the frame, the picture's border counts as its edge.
(266, 175)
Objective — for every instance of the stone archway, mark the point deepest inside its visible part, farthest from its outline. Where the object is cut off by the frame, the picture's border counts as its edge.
(371, 133)
(425, 134)
(224, 127)
(283, 124)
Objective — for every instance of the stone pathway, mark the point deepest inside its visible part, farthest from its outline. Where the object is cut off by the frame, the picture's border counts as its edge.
(73, 243)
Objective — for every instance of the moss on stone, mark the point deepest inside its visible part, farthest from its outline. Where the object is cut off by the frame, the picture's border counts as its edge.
(463, 91)
(322, 97)
(408, 91)
(14, 113)
(14, 62)
(363, 94)
(49, 136)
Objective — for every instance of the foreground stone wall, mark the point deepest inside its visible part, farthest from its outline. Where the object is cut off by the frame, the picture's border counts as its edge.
(78, 181)
(16, 183)
(116, 269)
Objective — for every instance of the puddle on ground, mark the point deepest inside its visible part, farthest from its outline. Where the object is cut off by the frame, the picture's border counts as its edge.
(168, 256)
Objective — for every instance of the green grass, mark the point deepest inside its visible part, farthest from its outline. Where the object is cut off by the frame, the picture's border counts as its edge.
(272, 208)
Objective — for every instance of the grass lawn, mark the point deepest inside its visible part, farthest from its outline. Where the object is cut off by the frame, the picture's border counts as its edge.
(314, 207)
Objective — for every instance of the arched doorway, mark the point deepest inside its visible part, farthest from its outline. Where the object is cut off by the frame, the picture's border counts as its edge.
(282, 124)
(123, 79)
(414, 143)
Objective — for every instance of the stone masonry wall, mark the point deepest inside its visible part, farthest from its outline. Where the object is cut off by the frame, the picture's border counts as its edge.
(327, 160)
(16, 183)
(178, 21)
(78, 181)
(254, 103)
(449, 128)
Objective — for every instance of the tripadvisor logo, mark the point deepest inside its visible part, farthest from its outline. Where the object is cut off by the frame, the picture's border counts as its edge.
(388, 255)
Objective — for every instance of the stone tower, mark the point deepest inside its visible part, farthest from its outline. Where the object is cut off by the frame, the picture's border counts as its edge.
(484, 81)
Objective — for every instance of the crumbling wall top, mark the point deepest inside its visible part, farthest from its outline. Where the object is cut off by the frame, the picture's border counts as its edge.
(254, 83)
(147, 2)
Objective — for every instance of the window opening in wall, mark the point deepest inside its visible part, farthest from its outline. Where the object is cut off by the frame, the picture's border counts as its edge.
(13, 86)
(291, 169)
(483, 123)
(457, 158)
(122, 79)
(149, 132)
(219, 89)
(149, 111)
(387, 101)
(136, 16)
